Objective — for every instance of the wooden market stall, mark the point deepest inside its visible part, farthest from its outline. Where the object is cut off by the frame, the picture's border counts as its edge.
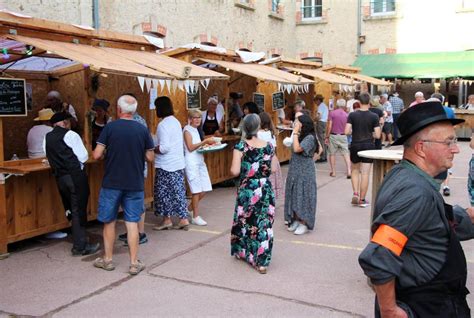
(102, 65)
(367, 83)
(263, 84)
(329, 85)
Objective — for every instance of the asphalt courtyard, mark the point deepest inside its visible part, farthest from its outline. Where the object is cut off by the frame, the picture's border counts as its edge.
(192, 273)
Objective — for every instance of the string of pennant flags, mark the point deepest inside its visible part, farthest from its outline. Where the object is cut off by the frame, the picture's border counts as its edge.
(299, 88)
(171, 85)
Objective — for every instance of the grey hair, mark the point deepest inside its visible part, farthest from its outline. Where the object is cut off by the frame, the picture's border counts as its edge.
(128, 104)
(54, 94)
(212, 99)
(438, 96)
(419, 94)
(301, 103)
(341, 102)
(251, 125)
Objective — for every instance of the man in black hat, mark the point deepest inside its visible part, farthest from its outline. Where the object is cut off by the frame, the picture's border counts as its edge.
(414, 259)
(66, 155)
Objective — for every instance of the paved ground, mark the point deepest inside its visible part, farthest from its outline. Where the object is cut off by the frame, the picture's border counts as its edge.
(192, 274)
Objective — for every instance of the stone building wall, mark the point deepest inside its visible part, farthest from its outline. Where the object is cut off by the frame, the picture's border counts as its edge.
(414, 27)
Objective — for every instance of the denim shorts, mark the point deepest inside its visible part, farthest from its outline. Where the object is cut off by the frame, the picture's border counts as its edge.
(132, 203)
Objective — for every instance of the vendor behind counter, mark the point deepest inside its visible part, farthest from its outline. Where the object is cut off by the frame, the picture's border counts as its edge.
(213, 118)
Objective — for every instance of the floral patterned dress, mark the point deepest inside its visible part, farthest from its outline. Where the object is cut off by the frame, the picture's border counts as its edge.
(252, 233)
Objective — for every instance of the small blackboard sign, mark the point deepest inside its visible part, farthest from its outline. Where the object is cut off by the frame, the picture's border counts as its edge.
(193, 100)
(278, 100)
(259, 99)
(12, 97)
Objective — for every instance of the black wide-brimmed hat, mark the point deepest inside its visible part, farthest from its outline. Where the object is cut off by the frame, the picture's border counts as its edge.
(59, 117)
(420, 116)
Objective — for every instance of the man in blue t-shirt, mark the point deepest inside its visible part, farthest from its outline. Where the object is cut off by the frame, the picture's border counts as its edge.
(125, 144)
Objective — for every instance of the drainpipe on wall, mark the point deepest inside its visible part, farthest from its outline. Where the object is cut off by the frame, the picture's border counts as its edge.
(95, 14)
(359, 26)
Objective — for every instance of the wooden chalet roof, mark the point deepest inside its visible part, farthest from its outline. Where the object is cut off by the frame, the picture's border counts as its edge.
(262, 72)
(322, 75)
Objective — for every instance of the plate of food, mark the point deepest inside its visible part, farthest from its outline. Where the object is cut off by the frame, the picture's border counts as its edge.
(284, 127)
(211, 148)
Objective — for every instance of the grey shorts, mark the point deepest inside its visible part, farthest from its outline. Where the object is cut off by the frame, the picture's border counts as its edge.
(338, 143)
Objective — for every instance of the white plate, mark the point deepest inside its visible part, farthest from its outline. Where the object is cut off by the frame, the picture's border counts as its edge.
(212, 148)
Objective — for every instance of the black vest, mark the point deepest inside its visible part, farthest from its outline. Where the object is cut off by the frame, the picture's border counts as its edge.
(61, 158)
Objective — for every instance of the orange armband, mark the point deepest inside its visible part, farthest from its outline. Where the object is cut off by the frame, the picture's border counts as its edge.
(390, 238)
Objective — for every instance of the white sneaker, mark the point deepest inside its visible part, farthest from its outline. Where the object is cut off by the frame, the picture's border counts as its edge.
(301, 229)
(293, 226)
(198, 221)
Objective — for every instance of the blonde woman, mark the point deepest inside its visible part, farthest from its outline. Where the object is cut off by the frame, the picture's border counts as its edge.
(196, 170)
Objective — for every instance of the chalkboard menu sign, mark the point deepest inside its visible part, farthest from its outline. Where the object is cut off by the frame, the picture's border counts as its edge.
(278, 100)
(259, 99)
(12, 97)
(193, 100)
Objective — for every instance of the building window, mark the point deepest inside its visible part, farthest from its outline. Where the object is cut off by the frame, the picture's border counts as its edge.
(312, 9)
(275, 4)
(467, 4)
(382, 7)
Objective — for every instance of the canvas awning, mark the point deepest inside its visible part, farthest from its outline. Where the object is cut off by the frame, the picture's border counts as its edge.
(285, 81)
(95, 57)
(146, 66)
(262, 72)
(322, 75)
(418, 65)
(167, 65)
(365, 78)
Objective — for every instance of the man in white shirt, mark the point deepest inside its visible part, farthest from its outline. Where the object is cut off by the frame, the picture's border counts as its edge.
(321, 122)
(350, 103)
(36, 134)
(66, 155)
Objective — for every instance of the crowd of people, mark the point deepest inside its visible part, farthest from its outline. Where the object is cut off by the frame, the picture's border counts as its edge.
(404, 272)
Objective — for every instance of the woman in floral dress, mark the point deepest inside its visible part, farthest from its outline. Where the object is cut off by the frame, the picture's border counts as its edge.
(252, 234)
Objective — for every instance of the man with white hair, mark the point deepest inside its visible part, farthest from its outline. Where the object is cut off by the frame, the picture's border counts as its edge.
(419, 98)
(128, 144)
(388, 123)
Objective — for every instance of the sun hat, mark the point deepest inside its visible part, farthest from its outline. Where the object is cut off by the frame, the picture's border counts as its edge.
(44, 114)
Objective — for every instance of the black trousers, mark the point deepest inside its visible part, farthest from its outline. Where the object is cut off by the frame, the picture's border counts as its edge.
(74, 190)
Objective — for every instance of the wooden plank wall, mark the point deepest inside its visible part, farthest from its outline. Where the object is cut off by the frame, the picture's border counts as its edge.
(15, 129)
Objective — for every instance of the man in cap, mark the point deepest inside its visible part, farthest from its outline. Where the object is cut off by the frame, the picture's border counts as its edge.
(36, 134)
(66, 155)
(414, 259)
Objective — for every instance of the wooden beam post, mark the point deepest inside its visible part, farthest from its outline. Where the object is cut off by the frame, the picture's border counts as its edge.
(3, 204)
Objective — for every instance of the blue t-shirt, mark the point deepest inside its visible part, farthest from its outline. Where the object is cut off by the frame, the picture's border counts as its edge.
(449, 112)
(126, 142)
